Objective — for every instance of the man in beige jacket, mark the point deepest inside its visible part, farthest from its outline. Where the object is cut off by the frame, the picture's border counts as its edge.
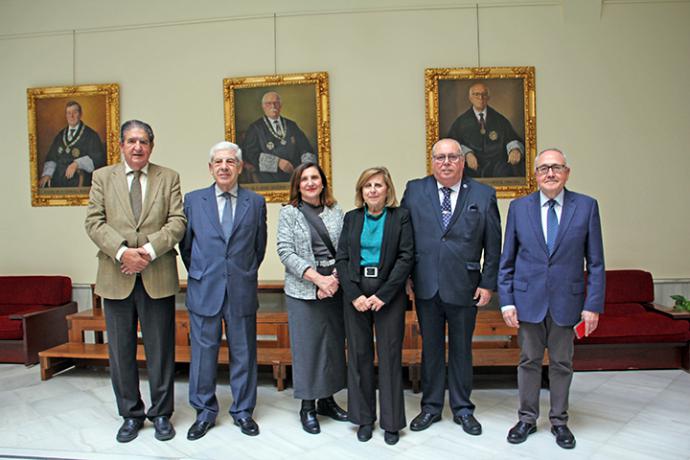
(135, 217)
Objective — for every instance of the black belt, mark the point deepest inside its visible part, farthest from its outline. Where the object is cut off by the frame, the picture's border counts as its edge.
(370, 272)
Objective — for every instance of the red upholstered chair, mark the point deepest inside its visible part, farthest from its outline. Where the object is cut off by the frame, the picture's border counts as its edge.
(32, 315)
(626, 320)
(631, 334)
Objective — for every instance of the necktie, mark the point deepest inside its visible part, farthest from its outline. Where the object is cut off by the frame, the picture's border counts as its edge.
(226, 220)
(71, 134)
(279, 129)
(135, 195)
(446, 209)
(482, 124)
(551, 226)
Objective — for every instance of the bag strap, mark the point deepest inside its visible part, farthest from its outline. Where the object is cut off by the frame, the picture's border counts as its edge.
(320, 230)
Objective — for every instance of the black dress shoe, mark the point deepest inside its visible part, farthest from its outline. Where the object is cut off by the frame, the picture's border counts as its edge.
(391, 437)
(564, 437)
(469, 424)
(310, 423)
(364, 432)
(330, 408)
(424, 421)
(518, 434)
(164, 429)
(129, 429)
(248, 426)
(198, 430)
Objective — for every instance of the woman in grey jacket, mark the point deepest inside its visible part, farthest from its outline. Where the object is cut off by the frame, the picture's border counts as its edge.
(308, 232)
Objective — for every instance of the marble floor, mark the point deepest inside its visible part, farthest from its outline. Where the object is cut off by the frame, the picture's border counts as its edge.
(614, 415)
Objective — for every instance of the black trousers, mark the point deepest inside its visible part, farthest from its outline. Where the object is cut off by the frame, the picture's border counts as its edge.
(433, 314)
(157, 320)
(389, 323)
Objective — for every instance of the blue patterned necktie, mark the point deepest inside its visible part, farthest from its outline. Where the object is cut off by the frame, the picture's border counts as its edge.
(446, 209)
(226, 220)
(551, 226)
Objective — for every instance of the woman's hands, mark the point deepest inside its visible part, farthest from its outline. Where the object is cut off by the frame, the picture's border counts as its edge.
(363, 303)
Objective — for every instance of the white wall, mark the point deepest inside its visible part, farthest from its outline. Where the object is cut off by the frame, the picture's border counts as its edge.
(611, 91)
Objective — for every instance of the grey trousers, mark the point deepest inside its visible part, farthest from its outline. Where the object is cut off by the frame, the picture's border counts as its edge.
(534, 339)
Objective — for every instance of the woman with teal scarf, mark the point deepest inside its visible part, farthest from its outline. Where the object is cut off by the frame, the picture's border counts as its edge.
(374, 259)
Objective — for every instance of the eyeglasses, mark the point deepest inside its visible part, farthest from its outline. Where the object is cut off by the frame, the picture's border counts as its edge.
(452, 158)
(556, 168)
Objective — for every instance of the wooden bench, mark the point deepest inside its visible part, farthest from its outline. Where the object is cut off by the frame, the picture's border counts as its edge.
(495, 344)
(67, 355)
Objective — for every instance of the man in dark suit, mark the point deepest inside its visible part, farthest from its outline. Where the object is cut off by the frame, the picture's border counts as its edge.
(491, 146)
(275, 145)
(223, 246)
(135, 218)
(75, 153)
(456, 222)
(550, 235)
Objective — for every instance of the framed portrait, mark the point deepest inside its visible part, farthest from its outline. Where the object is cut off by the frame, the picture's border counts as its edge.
(279, 122)
(73, 130)
(491, 112)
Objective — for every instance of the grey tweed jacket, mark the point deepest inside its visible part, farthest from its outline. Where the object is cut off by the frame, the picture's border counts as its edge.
(294, 247)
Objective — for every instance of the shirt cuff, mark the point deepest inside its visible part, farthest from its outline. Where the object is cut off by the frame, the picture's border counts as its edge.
(119, 253)
(506, 308)
(149, 248)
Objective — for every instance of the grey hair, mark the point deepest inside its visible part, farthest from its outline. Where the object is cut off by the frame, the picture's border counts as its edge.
(263, 98)
(225, 145)
(551, 149)
(131, 124)
(460, 152)
(479, 82)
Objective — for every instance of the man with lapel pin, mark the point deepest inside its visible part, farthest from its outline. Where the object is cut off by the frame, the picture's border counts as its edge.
(135, 217)
(456, 222)
(550, 236)
(223, 246)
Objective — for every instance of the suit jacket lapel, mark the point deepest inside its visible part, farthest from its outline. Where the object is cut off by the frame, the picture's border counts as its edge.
(240, 209)
(122, 191)
(534, 215)
(463, 192)
(432, 193)
(356, 232)
(210, 206)
(153, 184)
(567, 214)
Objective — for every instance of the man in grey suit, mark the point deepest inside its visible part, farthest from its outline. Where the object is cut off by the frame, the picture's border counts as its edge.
(456, 223)
(135, 218)
(550, 235)
(223, 246)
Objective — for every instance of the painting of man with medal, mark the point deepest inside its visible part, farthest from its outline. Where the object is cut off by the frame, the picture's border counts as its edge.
(280, 122)
(75, 153)
(69, 129)
(487, 111)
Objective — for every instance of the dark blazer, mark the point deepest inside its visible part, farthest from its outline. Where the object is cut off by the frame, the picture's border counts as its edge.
(217, 266)
(535, 282)
(448, 262)
(396, 254)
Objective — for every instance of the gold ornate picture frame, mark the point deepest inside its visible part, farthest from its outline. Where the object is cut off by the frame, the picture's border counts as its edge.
(62, 160)
(500, 144)
(279, 121)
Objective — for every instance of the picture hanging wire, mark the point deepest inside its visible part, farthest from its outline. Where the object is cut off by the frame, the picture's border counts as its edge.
(275, 45)
(74, 57)
(476, 15)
